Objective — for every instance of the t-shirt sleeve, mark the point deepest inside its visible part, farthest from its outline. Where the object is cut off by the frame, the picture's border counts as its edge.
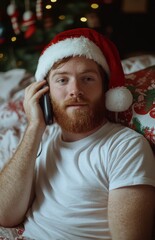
(131, 162)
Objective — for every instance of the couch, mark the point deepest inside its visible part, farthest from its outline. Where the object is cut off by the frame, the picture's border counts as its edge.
(140, 79)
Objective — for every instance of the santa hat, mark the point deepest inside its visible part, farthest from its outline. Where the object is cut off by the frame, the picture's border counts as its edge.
(91, 44)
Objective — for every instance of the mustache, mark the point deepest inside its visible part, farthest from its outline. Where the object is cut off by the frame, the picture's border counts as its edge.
(76, 101)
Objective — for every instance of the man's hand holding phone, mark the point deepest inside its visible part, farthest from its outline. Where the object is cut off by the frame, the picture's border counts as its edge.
(33, 110)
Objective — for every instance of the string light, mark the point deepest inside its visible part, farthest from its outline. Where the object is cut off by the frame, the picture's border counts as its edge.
(13, 39)
(48, 6)
(83, 19)
(94, 5)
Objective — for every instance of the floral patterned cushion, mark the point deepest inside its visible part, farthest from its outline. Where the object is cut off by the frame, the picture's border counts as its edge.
(141, 115)
(12, 126)
(13, 81)
(12, 233)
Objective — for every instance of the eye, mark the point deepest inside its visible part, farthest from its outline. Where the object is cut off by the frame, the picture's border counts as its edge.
(88, 79)
(62, 81)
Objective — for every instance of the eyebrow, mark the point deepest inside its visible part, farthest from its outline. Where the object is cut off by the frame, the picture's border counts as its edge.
(83, 72)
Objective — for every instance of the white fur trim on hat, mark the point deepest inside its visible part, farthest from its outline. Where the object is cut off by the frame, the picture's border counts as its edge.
(80, 46)
(118, 99)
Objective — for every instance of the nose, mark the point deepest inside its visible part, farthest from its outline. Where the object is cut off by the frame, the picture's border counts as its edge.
(75, 89)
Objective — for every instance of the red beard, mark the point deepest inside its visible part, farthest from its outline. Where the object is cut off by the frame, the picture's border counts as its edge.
(82, 120)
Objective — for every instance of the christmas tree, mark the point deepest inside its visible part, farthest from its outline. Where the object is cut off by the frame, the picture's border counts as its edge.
(27, 26)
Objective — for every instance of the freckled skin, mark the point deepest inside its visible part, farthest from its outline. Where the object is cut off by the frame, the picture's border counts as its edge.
(131, 212)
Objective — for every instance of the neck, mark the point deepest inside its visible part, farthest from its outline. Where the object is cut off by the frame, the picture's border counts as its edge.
(71, 137)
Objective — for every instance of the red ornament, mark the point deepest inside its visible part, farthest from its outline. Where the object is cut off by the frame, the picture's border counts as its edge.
(28, 24)
(13, 13)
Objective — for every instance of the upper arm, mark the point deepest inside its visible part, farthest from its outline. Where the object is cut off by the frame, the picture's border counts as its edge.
(131, 212)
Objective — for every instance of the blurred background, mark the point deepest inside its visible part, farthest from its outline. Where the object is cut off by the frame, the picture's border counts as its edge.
(26, 26)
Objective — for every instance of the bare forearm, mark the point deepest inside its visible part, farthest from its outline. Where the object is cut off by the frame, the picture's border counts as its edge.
(17, 177)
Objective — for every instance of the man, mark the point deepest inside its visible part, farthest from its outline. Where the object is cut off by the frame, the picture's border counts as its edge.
(93, 179)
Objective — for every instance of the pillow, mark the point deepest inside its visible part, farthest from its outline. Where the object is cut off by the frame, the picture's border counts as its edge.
(12, 126)
(137, 63)
(12, 233)
(141, 115)
(12, 112)
(13, 81)
(13, 122)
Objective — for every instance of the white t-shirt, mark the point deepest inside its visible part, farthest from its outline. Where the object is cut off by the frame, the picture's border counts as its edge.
(73, 180)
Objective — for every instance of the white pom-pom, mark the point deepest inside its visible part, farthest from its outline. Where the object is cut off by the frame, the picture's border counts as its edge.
(118, 99)
(11, 9)
(27, 15)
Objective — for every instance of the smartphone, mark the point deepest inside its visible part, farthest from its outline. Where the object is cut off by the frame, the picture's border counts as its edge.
(47, 109)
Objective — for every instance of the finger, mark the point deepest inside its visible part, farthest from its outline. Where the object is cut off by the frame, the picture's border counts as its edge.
(36, 89)
(35, 86)
(40, 92)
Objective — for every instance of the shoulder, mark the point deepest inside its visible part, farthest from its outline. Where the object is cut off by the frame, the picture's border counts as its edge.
(120, 135)
(127, 147)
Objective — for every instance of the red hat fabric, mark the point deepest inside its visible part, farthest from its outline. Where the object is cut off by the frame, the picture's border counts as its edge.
(93, 45)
